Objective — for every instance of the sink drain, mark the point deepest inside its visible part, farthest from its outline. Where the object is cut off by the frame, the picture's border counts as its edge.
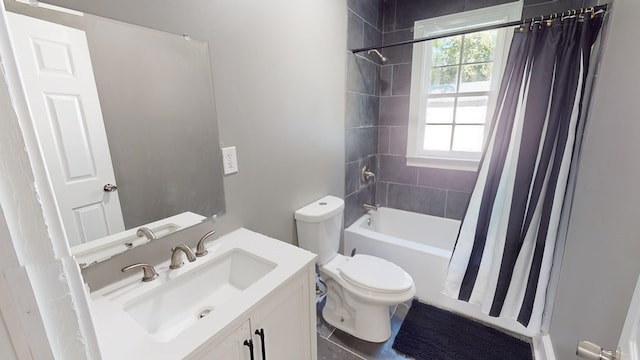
(204, 313)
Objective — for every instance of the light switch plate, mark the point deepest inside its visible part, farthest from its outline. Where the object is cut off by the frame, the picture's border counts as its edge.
(229, 160)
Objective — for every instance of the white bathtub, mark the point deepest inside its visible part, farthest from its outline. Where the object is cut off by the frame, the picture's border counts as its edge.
(422, 246)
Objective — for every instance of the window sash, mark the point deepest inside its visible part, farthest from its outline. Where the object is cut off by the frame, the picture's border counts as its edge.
(421, 71)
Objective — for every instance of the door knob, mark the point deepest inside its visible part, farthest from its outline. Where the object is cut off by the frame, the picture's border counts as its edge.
(110, 188)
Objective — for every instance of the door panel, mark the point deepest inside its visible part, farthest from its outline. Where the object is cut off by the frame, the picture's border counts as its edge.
(57, 77)
(72, 142)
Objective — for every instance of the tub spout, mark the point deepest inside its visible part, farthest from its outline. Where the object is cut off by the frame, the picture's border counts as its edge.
(370, 207)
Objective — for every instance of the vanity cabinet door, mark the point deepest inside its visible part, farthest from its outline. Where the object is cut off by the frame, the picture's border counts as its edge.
(231, 347)
(282, 327)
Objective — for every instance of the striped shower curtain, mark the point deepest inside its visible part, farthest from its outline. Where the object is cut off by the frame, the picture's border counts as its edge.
(503, 255)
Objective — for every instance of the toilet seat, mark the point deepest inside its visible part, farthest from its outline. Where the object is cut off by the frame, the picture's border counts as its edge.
(375, 274)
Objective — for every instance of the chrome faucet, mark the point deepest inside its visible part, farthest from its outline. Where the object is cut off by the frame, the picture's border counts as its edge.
(176, 258)
(200, 250)
(366, 174)
(149, 273)
(146, 232)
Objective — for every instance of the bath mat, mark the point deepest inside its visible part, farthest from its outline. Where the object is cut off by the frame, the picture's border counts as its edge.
(429, 333)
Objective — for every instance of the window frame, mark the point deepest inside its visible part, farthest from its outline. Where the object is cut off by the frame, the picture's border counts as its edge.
(421, 66)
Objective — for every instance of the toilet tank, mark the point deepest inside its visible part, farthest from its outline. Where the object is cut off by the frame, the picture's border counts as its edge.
(319, 226)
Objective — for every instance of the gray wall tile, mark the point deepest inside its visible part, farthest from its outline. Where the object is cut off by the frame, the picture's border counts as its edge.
(589, 3)
(418, 199)
(383, 140)
(550, 7)
(478, 4)
(401, 80)
(381, 193)
(407, 12)
(361, 142)
(351, 177)
(361, 75)
(447, 179)
(394, 110)
(389, 15)
(366, 9)
(372, 36)
(353, 204)
(398, 54)
(398, 140)
(362, 110)
(380, 15)
(355, 31)
(394, 169)
(456, 206)
(386, 73)
(395, 36)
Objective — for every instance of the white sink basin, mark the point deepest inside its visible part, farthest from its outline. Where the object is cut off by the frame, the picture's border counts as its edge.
(167, 310)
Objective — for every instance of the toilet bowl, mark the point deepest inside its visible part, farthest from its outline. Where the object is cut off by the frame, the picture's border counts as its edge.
(360, 289)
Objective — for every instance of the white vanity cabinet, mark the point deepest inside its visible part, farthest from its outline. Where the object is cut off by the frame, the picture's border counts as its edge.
(285, 319)
(207, 309)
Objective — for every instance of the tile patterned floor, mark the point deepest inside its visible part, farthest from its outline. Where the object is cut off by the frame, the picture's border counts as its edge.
(334, 344)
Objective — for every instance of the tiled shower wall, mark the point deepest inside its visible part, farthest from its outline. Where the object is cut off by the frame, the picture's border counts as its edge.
(378, 108)
(363, 103)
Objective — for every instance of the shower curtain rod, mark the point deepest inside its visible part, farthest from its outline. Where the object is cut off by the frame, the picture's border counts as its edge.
(592, 10)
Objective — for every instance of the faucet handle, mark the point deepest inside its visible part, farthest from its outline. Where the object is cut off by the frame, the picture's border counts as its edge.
(149, 272)
(200, 250)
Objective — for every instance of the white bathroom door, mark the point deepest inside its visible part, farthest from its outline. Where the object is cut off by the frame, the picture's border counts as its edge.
(57, 78)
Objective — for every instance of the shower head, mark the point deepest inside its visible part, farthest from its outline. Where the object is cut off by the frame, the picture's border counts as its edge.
(383, 59)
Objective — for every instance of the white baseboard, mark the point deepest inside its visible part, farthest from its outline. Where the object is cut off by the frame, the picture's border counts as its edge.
(543, 348)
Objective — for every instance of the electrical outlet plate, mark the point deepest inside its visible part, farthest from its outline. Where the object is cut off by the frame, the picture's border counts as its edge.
(229, 160)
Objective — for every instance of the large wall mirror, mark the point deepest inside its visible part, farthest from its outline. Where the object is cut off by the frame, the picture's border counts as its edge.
(126, 124)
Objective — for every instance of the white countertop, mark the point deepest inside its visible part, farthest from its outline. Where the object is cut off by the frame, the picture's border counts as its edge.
(121, 337)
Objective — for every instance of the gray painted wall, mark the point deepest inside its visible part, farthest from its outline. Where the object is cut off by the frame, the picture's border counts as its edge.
(278, 72)
(601, 264)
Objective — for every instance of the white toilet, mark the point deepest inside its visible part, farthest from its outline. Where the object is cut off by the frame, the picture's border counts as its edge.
(360, 289)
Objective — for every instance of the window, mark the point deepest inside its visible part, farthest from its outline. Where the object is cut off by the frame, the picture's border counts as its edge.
(454, 84)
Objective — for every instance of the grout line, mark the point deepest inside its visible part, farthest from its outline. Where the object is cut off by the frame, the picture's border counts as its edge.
(423, 186)
(365, 20)
(359, 93)
(345, 349)
(394, 96)
(446, 202)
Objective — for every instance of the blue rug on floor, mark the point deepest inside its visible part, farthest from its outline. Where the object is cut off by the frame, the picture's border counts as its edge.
(429, 333)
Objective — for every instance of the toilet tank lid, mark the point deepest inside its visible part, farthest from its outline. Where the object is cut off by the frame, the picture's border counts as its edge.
(320, 210)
